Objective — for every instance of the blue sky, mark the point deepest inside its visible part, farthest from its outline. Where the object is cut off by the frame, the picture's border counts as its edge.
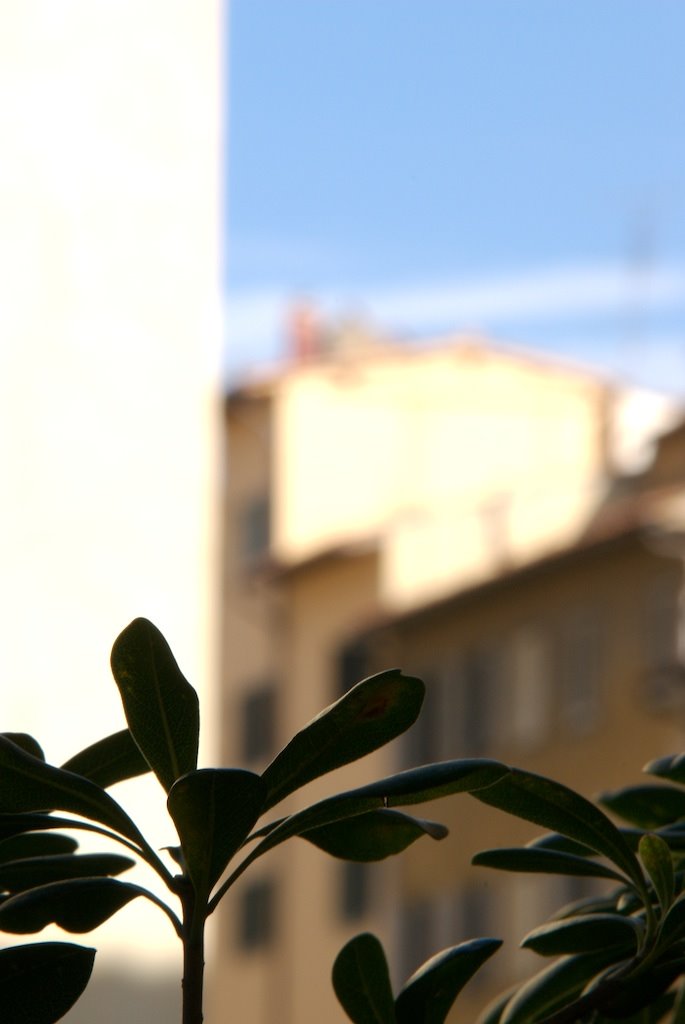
(511, 166)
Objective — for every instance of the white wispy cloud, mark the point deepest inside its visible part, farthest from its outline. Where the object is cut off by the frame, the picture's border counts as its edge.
(575, 291)
(256, 320)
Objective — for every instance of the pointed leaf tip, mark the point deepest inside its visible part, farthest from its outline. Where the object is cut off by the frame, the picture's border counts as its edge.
(76, 905)
(26, 742)
(112, 759)
(161, 707)
(430, 992)
(367, 717)
(372, 836)
(556, 807)
(28, 784)
(362, 981)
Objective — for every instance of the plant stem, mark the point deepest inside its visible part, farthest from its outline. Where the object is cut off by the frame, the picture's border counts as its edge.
(193, 958)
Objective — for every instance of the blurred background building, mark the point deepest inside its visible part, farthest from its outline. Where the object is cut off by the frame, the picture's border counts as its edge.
(503, 525)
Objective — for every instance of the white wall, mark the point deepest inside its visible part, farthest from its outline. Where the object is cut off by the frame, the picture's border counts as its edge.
(109, 355)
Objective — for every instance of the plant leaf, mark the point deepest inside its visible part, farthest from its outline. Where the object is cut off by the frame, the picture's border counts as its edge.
(430, 992)
(26, 742)
(41, 982)
(77, 905)
(418, 785)
(112, 759)
(368, 716)
(625, 997)
(492, 1012)
(18, 875)
(548, 862)
(594, 905)
(657, 1009)
(554, 987)
(585, 934)
(671, 768)
(562, 844)
(28, 784)
(656, 858)
(673, 925)
(213, 810)
(560, 809)
(160, 705)
(372, 836)
(647, 806)
(362, 982)
(35, 844)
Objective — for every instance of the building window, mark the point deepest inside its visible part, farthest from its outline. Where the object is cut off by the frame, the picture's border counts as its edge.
(257, 919)
(255, 531)
(531, 688)
(582, 662)
(351, 667)
(423, 741)
(663, 677)
(355, 890)
(417, 935)
(473, 701)
(259, 724)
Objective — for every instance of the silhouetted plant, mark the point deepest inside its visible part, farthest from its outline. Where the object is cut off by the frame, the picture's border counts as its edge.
(216, 812)
(620, 955)
(616, 956)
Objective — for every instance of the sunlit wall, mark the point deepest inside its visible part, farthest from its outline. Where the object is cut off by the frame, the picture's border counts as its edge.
(109, 336)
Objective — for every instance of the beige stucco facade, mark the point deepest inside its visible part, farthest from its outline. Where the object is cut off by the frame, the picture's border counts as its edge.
(404, 507)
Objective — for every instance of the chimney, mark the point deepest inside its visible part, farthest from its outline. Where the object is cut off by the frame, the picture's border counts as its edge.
(303, 332)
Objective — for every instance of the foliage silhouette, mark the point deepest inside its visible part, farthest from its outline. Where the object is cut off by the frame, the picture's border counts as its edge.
(617, 956)
(216, 813)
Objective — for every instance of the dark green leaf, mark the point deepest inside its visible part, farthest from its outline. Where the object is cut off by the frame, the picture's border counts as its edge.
(625, 997)
(629, 902)
(492, 1012)
(28, 784)
(585, 934)
(77, 905)
(658, 1008)
(372, 836)
(673, 925)
(160, 705)
(430, 992)
(674, 836)
(560, 809)
(539, 860)
(656, 858)
(17, 875)
(593, 905)
(554, 987)
(41, 982)
(110, 760)
(562, 844)
(213, 810)
(26, 742)
(647, 806)
(368, 716)
(418, 785)
(671, 767)
(35, 844)
(362, 982)
(16, 824)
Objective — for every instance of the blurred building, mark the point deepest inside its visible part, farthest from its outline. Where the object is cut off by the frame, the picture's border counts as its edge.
(488, 519)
